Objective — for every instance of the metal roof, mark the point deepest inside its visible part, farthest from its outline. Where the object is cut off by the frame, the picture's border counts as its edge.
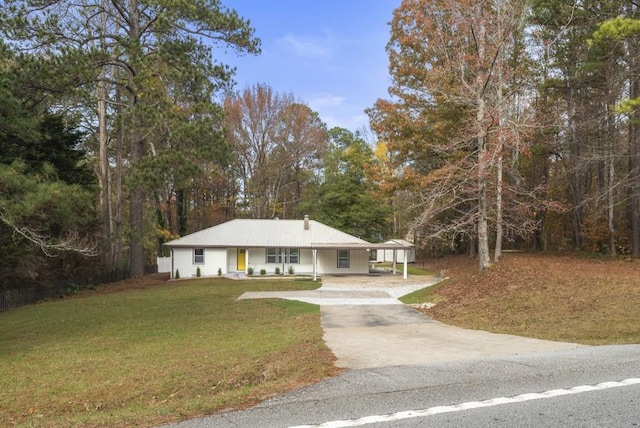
(251, 233)
(400, 242)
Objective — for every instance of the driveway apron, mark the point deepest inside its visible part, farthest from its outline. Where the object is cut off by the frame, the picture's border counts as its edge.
(366, 326)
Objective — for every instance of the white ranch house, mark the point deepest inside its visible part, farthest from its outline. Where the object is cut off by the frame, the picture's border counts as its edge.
(306, 246)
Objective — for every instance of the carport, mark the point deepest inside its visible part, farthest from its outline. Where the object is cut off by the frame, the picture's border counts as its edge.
(395, 246)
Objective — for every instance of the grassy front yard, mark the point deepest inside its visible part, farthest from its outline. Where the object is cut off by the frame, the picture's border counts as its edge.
(153, 355)
(140, 355)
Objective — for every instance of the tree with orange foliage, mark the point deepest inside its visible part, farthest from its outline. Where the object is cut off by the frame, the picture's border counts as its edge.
(454, 67)
(276, 141)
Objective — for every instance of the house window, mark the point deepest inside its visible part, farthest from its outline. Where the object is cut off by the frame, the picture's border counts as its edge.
(198, 256)
(288, 255)
(373, 255)
(274, 255)
(343, 258)
(292, 256)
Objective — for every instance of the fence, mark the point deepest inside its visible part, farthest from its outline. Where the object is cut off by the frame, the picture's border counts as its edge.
(164, 264)
(16, 297)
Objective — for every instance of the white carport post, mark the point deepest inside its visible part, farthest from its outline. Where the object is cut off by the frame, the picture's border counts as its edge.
(315, 261)
(404, 252)
(394, 260)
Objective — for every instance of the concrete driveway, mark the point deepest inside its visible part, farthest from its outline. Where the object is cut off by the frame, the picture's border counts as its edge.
(366, 326)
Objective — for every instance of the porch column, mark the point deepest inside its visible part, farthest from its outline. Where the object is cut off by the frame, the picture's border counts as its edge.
(395, 258)
(404, 252)
(315, 260)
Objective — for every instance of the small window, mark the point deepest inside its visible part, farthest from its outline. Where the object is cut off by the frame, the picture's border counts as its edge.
(198, 256)
(288, 255)
(343, 258)
(373, 255)
(273, 255)
(293, 256)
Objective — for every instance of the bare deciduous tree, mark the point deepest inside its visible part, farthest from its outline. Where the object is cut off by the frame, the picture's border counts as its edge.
(275, 139)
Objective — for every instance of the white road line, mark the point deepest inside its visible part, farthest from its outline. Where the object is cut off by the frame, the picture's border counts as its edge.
(471, 405)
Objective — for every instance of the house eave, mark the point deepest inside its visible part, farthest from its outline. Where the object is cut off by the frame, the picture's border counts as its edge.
(319, 246)
(360, 246)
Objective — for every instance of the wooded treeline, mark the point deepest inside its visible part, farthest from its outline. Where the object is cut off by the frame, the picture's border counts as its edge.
(509, 123)
(516, 122)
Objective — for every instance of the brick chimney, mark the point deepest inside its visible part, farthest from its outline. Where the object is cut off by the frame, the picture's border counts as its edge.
(306, 222)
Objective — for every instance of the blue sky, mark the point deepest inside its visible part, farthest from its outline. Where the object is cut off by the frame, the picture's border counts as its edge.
(330, 54)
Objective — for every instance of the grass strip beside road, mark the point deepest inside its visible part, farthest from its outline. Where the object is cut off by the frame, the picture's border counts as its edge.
(149, 356)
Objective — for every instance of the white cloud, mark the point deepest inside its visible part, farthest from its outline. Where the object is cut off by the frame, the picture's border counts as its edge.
(339, 111)
(344, 119)
(309, 47)
(353, 123)
(326, 100)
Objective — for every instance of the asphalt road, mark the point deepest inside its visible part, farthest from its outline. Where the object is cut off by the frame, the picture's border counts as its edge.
(582, 387)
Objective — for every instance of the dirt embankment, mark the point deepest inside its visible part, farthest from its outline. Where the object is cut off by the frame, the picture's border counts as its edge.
(556, 297)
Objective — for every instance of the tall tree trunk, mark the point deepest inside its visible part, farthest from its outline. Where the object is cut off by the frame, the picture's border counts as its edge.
(118, 215)
(634, 152)
(161, 218)
(611, 156)
(483, 233)
(136, 210)
(499, 178)
(611, 205)
(472, 246)
(481, 135)
(181, 211)
(575, 166)
(103, 174)
(502, 88)
(634, 188)
(136, 193)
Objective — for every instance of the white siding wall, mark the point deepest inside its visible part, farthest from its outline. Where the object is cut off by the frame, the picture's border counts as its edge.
(306, 262)
(257, 259)
(214, 258)
(225, 259)
(387, 256)
(182, 262)
(328, 262)
(232, 260)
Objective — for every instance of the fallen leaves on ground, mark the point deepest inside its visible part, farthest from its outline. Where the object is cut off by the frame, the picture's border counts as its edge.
(555, 297)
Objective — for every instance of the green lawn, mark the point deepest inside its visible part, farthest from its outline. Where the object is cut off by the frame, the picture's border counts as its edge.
(142, 357)
(147, 356)
(428, 294)
(412, 269)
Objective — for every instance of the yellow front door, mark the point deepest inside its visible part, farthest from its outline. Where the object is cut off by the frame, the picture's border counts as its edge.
(242, 259)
